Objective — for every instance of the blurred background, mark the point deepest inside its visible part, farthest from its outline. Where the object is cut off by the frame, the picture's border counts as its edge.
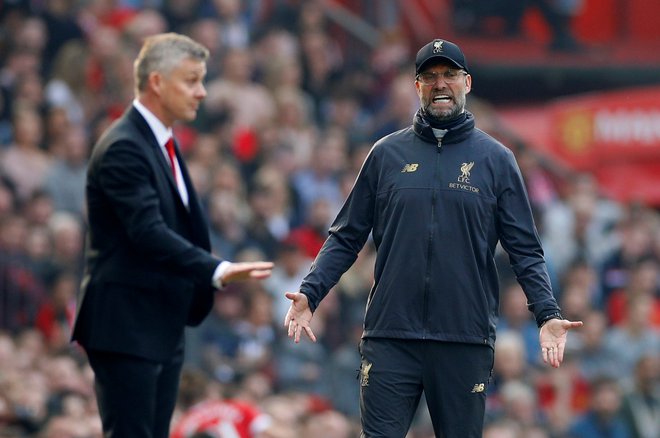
(298, 91)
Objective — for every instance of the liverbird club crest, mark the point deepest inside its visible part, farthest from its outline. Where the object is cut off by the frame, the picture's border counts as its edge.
(465, 172)
(437, 46)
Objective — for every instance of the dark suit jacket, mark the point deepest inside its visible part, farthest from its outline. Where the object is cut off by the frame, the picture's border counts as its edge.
(148, 268)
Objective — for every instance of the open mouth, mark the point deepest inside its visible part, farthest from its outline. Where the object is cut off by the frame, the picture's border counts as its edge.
(441, 98)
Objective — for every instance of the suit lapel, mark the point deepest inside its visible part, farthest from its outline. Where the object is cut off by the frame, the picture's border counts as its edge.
(155, 148)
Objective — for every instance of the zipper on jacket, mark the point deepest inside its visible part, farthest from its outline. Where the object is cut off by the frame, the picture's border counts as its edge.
(429, 252)
(439, 135)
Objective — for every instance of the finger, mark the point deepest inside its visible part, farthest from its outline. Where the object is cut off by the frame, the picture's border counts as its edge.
(298, 331)
(257, 265)
(554, 361)
(551, 357)
(291, 330)
(260, 273)
(544, 354)
(558, 359)
(560, 354)
(310, 334)
(548, 354)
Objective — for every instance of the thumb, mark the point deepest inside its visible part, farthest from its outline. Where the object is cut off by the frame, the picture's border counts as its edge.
(291, 295)
(573, 324)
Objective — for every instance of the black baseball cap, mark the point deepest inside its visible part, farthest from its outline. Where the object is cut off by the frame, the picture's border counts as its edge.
(439, 49)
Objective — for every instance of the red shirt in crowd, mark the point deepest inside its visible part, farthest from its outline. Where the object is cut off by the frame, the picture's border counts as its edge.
(221, 419)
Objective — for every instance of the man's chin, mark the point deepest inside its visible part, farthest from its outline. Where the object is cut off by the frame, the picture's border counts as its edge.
(189, 116)
(442, 114)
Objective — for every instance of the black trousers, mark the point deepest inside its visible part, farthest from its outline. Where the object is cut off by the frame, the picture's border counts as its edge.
(135, 396)
(453, 376)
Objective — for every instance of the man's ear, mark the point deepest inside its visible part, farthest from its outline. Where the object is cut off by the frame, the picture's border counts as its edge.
(468, 83)
(155, 82)
(418, 88)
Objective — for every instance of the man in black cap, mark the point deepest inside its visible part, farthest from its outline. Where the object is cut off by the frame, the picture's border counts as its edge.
(437, 197)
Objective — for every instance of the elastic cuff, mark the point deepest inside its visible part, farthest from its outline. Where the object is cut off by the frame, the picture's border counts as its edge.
(548, 317)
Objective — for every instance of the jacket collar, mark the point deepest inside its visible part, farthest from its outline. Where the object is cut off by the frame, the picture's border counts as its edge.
(453, 135)
(141, 124)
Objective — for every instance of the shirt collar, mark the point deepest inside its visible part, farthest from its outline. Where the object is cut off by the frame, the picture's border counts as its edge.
(161, 132)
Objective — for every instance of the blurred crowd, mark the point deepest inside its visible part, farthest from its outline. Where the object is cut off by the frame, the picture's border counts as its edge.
(294, 104)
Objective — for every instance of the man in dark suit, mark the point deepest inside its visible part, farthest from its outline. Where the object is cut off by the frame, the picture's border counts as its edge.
(149, 272)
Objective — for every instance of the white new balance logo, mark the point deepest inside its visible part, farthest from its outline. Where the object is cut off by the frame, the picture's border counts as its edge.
(409, 167)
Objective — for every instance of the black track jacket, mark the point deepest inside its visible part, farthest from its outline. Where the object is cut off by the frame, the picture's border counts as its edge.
(436, 210)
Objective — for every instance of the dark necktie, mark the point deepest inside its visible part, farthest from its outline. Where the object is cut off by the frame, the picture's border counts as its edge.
(170, 152)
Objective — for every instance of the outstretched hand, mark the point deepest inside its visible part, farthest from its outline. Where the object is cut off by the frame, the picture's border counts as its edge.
(246, 270)
(298, 317)
(553, 336)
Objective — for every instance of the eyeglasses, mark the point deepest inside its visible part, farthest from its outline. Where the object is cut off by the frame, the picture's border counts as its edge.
(449, 76)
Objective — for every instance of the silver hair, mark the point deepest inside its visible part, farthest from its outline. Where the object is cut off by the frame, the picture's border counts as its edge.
(162, 52)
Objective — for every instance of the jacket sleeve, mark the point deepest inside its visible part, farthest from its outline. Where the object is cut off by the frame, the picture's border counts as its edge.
(519, 238)
(347, 236)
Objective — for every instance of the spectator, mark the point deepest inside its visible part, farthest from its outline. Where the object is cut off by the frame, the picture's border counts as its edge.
(208, 32)
(578, 227)
(215, 345)
(38, 209)
(515, 317)
(321, 60)
(321, 178)
(256, 332)
(62, 27)
(65, 180)
(509, 366)
(55, 315)
(234, 22)
(635, 336)
(502, 429)
(66, 87)
(520, 404)
(67, 232)
(7, 198)
(203, 411)
(643, 278)
(19, 62)
(248, 103)
(594, 357)
(641, 402)
(21, 291)
(227, 219)
(328, 424)
(540, 185)
(603, 417)
(312, 233)
(296, 130)
(24, 162)
(291, 265)
(634, 242)
(270, 202)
